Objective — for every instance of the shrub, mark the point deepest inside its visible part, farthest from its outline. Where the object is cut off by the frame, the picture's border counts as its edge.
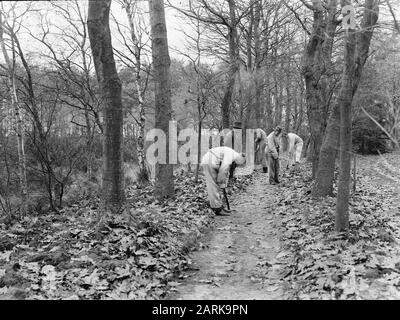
(81, 189)
(368, 137)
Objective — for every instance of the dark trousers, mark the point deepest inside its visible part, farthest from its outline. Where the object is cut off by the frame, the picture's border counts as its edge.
(273, 169)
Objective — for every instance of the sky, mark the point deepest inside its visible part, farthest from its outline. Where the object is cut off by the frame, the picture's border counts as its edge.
(32, 23)
(175, 25)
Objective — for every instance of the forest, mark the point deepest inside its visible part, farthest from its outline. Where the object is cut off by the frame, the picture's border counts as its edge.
(94, 93)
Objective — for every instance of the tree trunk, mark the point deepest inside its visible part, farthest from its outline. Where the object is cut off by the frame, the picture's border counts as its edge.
(257, 72)
(301, 112)
(345, 101)
(17, 112)
(143, 172)
(164, 186)
(327, 157)
(316, 63)
(196, 179)
(233, 67)
(269, 114)
(110, 87)
(288, 110)
(327, 154)
(357, 45)
(325, 176)
(278, 103)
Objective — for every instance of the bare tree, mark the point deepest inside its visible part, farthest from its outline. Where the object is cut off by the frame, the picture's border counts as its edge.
(135, 60)
(221, 20)
(11, 66)
(317, 70)
(204, 78)
(161, 65)
(110, 85)
(74, 67)
(355, 55)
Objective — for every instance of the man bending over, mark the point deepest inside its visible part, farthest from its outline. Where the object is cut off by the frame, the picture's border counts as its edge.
(218, 164)
(294, 146)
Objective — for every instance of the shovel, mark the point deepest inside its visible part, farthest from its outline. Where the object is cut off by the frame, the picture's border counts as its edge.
(226, 199)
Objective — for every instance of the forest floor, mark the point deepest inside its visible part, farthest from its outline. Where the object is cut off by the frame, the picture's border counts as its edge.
(82, 253)
(279, 243)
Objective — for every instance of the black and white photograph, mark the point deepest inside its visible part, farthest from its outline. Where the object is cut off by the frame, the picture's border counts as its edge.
(198, 155)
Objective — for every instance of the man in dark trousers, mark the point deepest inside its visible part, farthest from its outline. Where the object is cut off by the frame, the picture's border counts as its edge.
(272, 153)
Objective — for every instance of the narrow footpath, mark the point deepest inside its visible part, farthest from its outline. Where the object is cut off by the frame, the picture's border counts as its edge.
(237, 260)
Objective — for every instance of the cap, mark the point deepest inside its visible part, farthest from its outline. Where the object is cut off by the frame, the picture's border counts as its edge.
(237, 125)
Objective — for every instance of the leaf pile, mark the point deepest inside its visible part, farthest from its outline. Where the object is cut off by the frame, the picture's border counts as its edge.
(322, 264)
(82, 254)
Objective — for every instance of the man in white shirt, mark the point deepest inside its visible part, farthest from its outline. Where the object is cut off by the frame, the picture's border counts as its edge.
(218, 163)
(272, 153)
(294, 147)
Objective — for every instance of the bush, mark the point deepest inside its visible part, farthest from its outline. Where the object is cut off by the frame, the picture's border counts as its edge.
(81, 189)
(36, 203)
(368, 137)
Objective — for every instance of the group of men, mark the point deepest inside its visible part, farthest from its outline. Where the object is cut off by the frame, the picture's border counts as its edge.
(219, 163)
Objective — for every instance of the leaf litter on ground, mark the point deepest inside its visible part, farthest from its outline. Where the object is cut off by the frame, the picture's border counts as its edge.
(136, 255)
(323, 264)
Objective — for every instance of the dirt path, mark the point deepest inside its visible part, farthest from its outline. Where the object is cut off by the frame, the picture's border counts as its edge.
(237, 259)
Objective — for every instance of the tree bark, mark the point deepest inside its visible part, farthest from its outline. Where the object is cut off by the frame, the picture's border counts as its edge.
(316, 63)
(257, 64)
(288, 109)
(325, 176)
(110, 87)
(327, 157)
(345, 102)
(357, 45)
(233, 66)
(143, 172)
(17, 111)
(164, 186)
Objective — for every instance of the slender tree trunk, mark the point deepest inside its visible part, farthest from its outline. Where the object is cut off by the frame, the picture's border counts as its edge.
(269, 113)
(198, 147)
(90, 131)
(278, 103)
(316, 62)
(357, 45)
(17, 111)
(250, 30)
(326, 167)
(301, 112)
(89, 146)
(295, 109)
(144, 175)
(110, 87)
(161, 64)
(143, 172)
(257, 64)
(288, 110)
(233, 67)
(327, 157)
(345, 102)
